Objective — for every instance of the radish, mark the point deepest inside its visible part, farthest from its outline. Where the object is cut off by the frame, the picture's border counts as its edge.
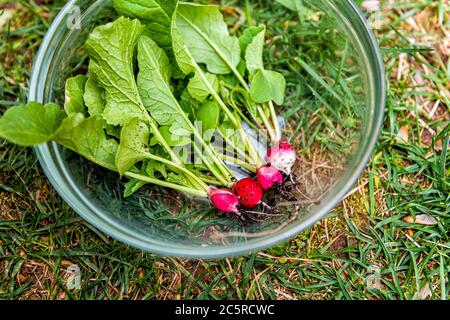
(268, 177)
(249, 192)
(282, 157)
(224, 200)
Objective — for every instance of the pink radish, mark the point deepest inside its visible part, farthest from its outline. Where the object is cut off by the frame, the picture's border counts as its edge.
(268, 177)
(249, 192)
(282, 157)
(224, 200)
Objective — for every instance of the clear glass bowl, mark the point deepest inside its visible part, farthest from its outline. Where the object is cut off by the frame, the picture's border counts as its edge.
(335, 127)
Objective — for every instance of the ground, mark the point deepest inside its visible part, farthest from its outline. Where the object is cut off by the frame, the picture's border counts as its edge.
(369, 247)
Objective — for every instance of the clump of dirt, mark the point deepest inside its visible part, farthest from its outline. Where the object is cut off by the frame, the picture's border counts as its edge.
(8, 207)
(43, 190)
(340, 243)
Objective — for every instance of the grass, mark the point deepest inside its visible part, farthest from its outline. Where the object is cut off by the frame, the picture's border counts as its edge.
(363, 249)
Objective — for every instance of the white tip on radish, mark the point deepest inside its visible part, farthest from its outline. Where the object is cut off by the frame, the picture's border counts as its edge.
(282, 157)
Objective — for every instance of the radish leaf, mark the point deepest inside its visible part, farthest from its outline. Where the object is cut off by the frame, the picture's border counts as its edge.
(155, 92)
(254, 53)
(133, 145)
(87, 138)
(93, 97)
(111, 49)
(268, 85)
(31, 124)
(208, 115)
(247, 37)
(197, 88)
(209, 39)
(74, 102)
(172, 139)
(156, 15)
(178, 179)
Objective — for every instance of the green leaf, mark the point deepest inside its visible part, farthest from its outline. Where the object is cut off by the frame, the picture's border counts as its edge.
(242, 99)
(132, 187)
(178, 179)
(154, 165)
(207, 37)
(268, 85)
(111, 130)
(159, 63)
(147, 169)
(172, 139)
(155, 92)
(183, 57)
(230, 79)
(247, 37)
(197, 88)
(208, 115)
(150, 167)
(87, 138)
(187, 63)
(65, 132)
(31, 124)
(188, 104)
(95, 102)
(254, 54)
(74, 102)
(156, 15)
(133, 145)
(291, 4)
(93, 97)
(111, 49)
(185, 60)
(228, 130)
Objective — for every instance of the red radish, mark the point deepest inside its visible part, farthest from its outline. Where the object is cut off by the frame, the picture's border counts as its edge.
(268, 177)
(224, 200)
(249, 192)
(282, 157)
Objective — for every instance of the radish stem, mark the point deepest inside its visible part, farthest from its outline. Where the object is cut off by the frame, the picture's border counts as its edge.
(242, 153)
(267, 124)
(182, 169)
(191, 191)
(238, 162)
(211, 168)
(276, 126)
(211, 181)
(250, 148)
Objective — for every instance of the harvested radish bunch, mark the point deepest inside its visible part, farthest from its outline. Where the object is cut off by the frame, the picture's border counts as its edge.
(147, 94)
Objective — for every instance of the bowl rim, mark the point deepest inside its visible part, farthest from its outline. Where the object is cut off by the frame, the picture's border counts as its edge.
(59, 176)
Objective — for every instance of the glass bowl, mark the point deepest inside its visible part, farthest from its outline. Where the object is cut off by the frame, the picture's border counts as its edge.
(333, 111)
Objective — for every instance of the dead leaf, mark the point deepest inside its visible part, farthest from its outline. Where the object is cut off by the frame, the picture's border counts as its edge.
(403, 134)
(67, 263)
(373, 277)
(5, 17)
(425, 292)
(423, 219)
(21, 278)
(371, 5)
